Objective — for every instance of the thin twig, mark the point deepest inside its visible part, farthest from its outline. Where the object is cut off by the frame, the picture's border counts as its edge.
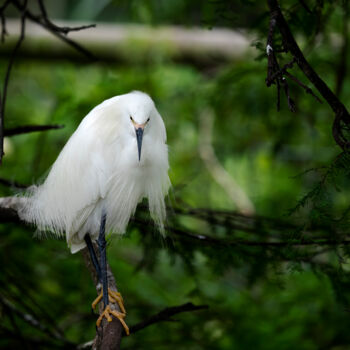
(271, 59)
(3, 23)
(291, 103)
(3, 19)
(279, 72)
(205, 239)
(39, 20)
(54, 27)
(274, 72)
(278, 103)
(306, 88)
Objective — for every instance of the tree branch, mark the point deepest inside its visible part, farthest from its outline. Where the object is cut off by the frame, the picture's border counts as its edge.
(10, 206)
(165, 315)
(290, 44)
(109, 334)
(7, 74)
(44, 21)
(25, 129)
(3, 20)
(58, 32)
(162, 316)
(54, 27)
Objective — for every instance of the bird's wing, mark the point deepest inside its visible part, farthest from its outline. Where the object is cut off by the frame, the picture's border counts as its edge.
(78, 179)
(97, 138)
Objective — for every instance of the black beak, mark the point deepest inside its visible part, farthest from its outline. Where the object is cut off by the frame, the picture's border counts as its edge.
(139, 135)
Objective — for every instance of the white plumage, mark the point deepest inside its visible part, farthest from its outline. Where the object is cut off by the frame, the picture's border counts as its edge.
(99, 169)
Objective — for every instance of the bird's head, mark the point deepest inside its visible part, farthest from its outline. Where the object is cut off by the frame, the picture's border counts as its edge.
(142, 119)
(139, 129)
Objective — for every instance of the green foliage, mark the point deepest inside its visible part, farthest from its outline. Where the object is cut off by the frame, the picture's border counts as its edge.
(261, 296)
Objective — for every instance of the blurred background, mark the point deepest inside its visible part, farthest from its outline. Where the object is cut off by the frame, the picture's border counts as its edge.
(203, 62)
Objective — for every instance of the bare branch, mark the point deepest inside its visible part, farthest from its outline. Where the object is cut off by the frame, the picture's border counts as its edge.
(274, 73)
(272, 65)
(44, 21)
(205, 239)
(278, 104)
(10, 206)
(165, 315)
(3, 20)
(341, 113)
(109, 334)
(306, 88)
(7, 77)
(54, 27)
(25, 129)
(291, 103)
(162, 316)
(280, 72)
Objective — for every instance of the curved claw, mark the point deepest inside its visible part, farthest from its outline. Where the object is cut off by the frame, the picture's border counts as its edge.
(120, 316)
(96, 301)
(107, 313)
(114, 297)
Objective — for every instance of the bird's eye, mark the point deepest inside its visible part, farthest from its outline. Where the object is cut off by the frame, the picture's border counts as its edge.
(131, 119)
(147, 120)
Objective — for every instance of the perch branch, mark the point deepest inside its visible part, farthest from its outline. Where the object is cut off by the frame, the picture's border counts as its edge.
(109, 334)
(162, 316)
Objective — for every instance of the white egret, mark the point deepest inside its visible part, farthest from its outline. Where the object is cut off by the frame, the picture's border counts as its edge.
(117, 156)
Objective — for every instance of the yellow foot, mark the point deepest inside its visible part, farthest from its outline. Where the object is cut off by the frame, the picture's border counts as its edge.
(107, 313)
(114, 297)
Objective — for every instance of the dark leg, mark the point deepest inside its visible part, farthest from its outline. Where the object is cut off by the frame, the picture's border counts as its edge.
(103, 259)
(93, 256)
(101, 269)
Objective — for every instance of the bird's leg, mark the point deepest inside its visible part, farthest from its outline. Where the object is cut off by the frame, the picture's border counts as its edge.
(107, 294)
(93, 256)
(103, 259)
(94, 260)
